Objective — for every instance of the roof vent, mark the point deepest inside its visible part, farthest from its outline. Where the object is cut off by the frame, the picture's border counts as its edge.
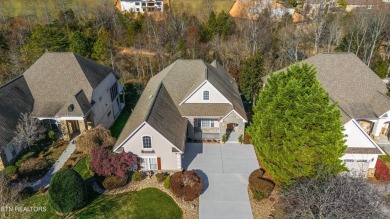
(150, 97)
(70, 108)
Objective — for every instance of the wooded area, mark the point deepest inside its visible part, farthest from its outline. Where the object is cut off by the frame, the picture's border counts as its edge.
(139, 46)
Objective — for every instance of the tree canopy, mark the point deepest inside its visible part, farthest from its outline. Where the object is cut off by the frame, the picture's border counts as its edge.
(296, 129)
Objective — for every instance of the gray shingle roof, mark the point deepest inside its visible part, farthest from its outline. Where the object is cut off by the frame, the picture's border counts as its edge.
(357, 150)
(359, 91)
(57, 77)
(15, 98)
(173, 85)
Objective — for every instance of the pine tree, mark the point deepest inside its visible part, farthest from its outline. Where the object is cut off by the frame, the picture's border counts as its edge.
(101, 51)
(81, 44)
(250, 74)
(296, 129)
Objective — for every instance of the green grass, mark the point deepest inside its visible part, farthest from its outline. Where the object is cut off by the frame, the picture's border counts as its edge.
(385, 158)
(120, 122)
(145, 204)
(82, 167)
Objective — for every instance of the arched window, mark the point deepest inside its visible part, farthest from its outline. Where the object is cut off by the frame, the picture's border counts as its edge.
(206, 95)
(147, 142)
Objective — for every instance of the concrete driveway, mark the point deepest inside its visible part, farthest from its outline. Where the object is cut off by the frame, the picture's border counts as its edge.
(225, 169)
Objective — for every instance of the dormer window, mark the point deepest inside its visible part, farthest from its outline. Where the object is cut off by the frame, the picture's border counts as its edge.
(206, 95)
(147, 142)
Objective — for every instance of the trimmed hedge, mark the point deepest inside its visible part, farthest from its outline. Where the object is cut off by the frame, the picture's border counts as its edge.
(167, 182)
(161, 177)
(10, 170)
(187, 185)
(260, 187)
(67, 191)
(114, 182)
(137, 176)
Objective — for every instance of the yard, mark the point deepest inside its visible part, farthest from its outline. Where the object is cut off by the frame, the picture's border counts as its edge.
(82, 167)
(146, 203)
(196, 7)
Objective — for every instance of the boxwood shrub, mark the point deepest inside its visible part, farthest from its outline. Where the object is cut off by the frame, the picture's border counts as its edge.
(10, 170)
(67, 191)
(167, 182)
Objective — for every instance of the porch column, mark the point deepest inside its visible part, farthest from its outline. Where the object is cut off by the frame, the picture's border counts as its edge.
(65, 130)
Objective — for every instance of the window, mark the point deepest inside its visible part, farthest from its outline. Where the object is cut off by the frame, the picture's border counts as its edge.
(206, 95)
(147, 142)
(205, 122)
(13, 153)
(362, 161)
(149, 163)
(349, 160)
(114, 91)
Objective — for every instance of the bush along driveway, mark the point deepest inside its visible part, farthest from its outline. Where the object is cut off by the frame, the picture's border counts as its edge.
(225, 169)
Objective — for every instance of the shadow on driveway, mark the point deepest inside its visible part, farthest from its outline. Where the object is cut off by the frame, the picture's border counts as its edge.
(191, 151)
(205, 180)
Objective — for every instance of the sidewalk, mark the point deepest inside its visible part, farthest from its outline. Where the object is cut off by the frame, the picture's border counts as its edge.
(45, 180)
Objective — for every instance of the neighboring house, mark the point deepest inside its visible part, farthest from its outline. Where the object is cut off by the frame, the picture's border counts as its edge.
(188, 100)
(141, 5)
(362, 100)
(63, 89)
(362, 4)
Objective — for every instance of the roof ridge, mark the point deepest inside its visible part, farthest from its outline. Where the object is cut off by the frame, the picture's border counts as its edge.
(11, 81)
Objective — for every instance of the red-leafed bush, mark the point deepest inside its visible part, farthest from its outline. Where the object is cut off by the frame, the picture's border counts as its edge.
(382, 172)
(105, 163)
(187, 185)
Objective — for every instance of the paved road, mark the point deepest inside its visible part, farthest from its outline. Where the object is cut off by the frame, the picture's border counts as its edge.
(45, 180)
(225, 170)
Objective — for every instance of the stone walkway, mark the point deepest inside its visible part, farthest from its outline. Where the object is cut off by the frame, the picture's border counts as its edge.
(225, 169)
(45, 180)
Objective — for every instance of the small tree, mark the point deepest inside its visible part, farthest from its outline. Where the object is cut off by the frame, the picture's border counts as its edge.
(28, 130)
(250, 73)
(336, 197)
(105, 163)
(8, 194)
(94, 138)
(67, 191)
(296, 129)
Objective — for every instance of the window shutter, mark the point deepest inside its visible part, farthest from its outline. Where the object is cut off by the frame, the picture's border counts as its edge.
(159, 163)
(138, 163)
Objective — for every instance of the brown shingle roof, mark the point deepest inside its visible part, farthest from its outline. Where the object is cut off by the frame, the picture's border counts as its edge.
(359, 91)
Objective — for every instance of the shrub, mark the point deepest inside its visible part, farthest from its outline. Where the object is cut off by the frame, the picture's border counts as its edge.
(10, 170)
(94, 138)
(260, 187)
(59, 142)
(114, 182)
(137, 176)
(27, 192)
(240, 139)
(382, 172)
(33, 166)
(161, 177)
(224, 138)
(385, 158)
(106, 163)
(167, 182)
(24, 158)
(51, 134)
(67, 191)
(187, 185)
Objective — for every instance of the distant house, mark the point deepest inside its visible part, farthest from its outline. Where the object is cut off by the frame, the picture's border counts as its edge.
(362, 100)
(188, 100)
(62, 89)
(362, 4)
(141, 6)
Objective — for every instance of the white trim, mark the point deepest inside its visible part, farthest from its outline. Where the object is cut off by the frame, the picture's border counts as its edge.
(230, 113)
(367, 136)
(62, 118)
(196, 89)
(131, 135)
(151, 145)
(203, 95)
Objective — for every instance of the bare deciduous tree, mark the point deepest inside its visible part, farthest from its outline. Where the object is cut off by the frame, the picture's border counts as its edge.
(29, 130)
(8, 195)
(338, 197)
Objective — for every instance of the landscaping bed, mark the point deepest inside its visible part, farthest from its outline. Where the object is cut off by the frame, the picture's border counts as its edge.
(82, 167)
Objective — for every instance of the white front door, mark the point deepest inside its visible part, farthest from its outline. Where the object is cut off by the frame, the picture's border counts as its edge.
(149, 163)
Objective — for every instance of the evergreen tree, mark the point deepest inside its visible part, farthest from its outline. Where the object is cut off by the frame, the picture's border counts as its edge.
(296, 130)
(81, 43)
(250, 74)
(101, 51)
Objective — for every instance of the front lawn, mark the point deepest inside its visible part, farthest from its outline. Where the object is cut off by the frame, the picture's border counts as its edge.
(145, 204)
(120, 123)
(82, 167)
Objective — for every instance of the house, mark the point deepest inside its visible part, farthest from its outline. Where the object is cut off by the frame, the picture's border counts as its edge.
(362, 100)
(188, 100)
(362, 4)
(63, 89)
(141, 5)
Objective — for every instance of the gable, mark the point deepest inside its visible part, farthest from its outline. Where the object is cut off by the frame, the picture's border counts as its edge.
(214, 95)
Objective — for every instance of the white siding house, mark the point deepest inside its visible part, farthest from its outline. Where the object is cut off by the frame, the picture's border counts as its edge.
(142, 6)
